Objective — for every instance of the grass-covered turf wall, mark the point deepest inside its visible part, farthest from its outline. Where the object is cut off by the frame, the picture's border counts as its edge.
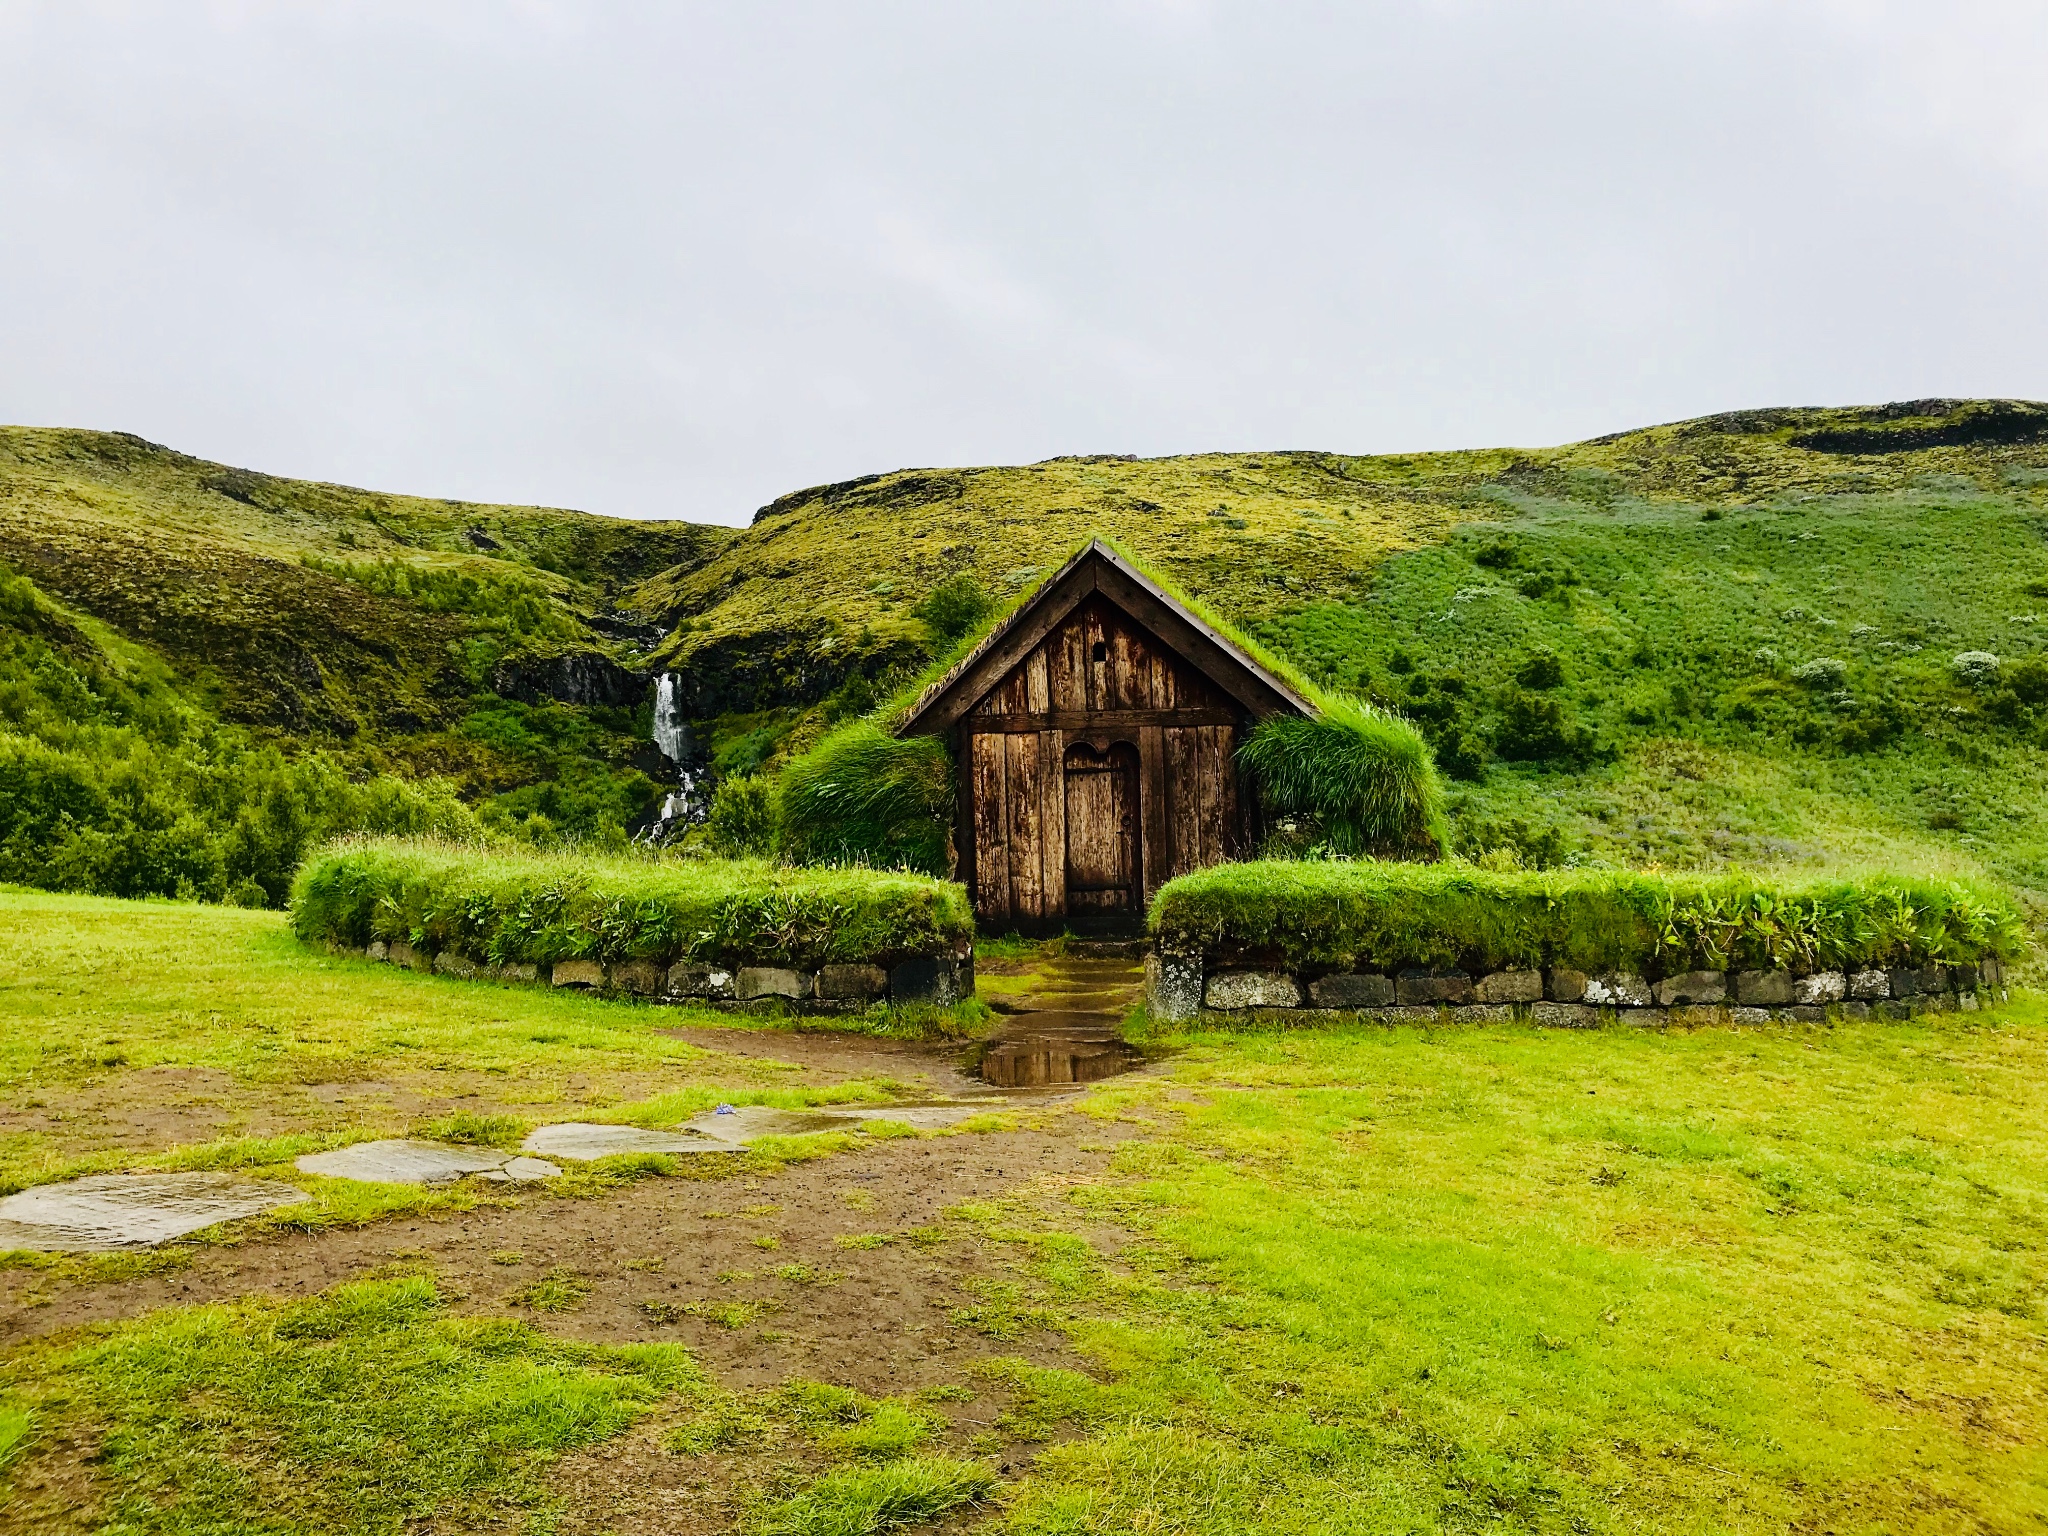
(542, 908)
(1381, 916)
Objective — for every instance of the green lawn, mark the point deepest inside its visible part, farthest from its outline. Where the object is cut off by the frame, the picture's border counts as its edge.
(1372, 1280)
(1607, 1281)
(160, 1034)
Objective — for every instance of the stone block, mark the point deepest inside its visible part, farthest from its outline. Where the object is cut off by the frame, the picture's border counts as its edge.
(402, 953)
(1699, 1015)
(1893, 1011)
(1693, 987)
(378, 951)
(643, 978)
(1352, 989)
(1749, 1015)
(1763, 989)
(698, 981)
(1567, 986)
(1820, 989)
(939, 980)
(1856, 1011)
(1804, 1013)
(1483, 1013)
(1173, 987)
(1643, 1018)
(1913, 983)
(1871, 986)
(452, 963)
(1564, 1015)
(1228, 990)
(1509, 987)
(1421, 1017)
(1618, 989)
(1962, 978)
(1967, 1002)
(577, 973)
(1934, 1002)
(1991, 972)
(515, 973)
(759, 981)
(1412, 988)
(851, 983)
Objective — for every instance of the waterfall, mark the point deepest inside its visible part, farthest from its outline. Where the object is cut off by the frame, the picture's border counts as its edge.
(684, 805)
(670, 734)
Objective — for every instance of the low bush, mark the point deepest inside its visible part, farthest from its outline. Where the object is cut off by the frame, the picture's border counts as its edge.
(539, 908)
(1364, 777)
(742, 817)
(863, 796)
(1382, 915)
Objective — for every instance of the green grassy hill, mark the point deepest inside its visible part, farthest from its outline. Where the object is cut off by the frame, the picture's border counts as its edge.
(1731, 639)
(202, 669)
(1624, 649)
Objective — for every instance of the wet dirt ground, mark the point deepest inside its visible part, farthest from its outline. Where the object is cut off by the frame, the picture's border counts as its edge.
(695, 1260)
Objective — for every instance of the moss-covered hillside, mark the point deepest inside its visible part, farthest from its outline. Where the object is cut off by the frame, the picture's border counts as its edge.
(202, 668)
(1624, 649)
(1731, 639)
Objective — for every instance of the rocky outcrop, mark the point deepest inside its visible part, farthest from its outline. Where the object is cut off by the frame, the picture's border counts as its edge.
(574, 677)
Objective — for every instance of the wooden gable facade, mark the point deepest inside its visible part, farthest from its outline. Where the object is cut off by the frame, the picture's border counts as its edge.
(1095, 733)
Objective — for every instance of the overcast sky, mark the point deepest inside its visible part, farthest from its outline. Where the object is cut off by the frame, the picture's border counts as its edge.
(674, 259)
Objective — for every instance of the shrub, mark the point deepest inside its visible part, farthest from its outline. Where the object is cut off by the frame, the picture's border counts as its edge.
(1975, 669)
(1540, 670)
(1820, 673)
(742, 817)
(539, 908)
(954, 607)
(863, 796)
(1363, 776)
(1384, 916)
(2028, 679)
(1536, 729)
(1462, 754)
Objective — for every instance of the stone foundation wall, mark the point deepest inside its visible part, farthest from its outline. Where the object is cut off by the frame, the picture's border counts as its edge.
(938, 980)
(1180, 988)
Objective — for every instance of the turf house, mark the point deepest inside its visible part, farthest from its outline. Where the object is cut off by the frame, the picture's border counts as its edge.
(1096, 733)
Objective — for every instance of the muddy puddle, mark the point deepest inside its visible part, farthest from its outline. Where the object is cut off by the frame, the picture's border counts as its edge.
(1061, 1023)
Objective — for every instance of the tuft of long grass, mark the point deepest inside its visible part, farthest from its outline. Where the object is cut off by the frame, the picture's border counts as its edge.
(17, 1425)
(863, 1500)
(1363, 776)
(864, 796)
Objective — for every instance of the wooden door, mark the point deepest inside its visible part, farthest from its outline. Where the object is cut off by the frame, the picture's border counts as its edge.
(1102, 829)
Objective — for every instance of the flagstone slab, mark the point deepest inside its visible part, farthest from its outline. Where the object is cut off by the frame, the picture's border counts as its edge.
(744, 1123)
(586, 1143)
(116, 1211)
(403, 1162)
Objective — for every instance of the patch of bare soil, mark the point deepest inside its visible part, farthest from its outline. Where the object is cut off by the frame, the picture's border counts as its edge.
(746, 1271)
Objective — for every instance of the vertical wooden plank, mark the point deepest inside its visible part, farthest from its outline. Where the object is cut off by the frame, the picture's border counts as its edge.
(1213, 768)
(1027, 858)
(1061, 676)
(1183, 800)
(1123, 670)
(991, 821)
(1091, 634)
(1153, 853)
(963, 868)
(1037, 695)
(1052, 799)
